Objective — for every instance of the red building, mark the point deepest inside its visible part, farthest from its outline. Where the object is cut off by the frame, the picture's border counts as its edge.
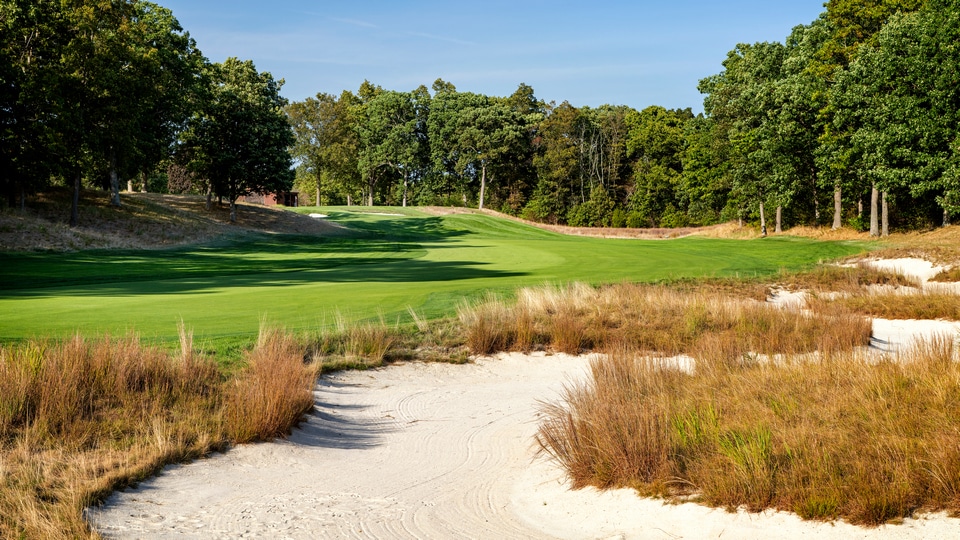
(285, 198)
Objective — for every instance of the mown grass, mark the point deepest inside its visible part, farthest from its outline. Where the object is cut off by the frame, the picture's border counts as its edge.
(80, 418)
(386, 265)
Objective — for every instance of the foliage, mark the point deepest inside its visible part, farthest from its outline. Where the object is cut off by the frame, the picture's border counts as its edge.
(238, 141)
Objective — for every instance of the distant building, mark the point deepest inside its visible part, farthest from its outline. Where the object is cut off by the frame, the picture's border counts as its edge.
(286, 198)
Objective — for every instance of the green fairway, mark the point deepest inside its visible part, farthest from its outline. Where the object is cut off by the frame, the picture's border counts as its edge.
(391, 262)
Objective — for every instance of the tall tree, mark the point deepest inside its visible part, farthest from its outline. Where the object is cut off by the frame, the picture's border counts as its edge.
(326, 144)
(556, 163)
(390, 139)
(655, 143)
(239, 141)
(902, 96)
(742, 99)
(853, 25)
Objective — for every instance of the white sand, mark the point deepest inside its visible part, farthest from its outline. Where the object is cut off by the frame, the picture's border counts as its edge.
(918, 268)
(444, 451)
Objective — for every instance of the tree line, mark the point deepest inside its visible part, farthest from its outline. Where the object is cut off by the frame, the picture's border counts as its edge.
(96, 91)
(851, 120)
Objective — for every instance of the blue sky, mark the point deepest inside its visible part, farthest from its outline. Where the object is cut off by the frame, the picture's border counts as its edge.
(636, 53)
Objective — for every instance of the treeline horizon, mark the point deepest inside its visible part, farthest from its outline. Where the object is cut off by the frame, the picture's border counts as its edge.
(850, 121)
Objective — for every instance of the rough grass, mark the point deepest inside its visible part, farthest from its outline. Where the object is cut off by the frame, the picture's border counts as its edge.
(832, 436)
(82, 417)
(926, 304)
(653, 318)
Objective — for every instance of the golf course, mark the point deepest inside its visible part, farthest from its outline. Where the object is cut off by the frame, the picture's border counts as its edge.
(383, 263)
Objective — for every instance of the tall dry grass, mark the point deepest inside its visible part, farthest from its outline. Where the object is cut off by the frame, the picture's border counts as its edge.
(354, 346)
(273, 392)
(81, 418)
(653, 318)
(844, 435)
(924, 304)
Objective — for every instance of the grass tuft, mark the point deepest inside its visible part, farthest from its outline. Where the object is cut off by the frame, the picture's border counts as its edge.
(273, 393)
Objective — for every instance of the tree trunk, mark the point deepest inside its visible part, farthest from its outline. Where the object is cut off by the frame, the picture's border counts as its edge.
(763, 222)
(885, 219)
(129, 186)
(23, 203)
(483, 182)
(143, 182)
(946, 218)
(209, 196)
(114, 179)
(404, 189)
(318, 194)
(816, 203)
(75, 206)
(837, 208)
(349, 200)
(874, 226)
(233, 209)
(778, 228)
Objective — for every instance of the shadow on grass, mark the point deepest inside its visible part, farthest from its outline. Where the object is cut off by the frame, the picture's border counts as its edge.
(329, 270)
(263, 261)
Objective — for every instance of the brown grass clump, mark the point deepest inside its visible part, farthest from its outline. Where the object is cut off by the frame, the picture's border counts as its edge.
(273, 393)
(652, 318)
(926, 304)
(845, 279)
(355, 346)
(828, 436)
(949, 275)
(81, 418)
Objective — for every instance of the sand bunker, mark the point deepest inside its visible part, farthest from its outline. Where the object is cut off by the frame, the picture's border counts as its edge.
(429, 451)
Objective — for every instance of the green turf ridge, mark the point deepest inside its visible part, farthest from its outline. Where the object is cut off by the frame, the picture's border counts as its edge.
(224, 291)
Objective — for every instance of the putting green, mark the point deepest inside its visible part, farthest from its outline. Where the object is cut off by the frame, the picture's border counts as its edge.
(391, 262)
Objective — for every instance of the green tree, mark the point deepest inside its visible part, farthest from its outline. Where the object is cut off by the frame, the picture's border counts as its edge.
(655, 143)
(470, 133)
(239, 141)
(390, 139)
(903, 97)
(853, 25)
(326, 143)
(32, 37)
(742, 99)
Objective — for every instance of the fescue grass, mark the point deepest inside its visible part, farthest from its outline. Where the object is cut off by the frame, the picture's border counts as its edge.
(82, 417)
(844, 279)
(921, 304)
(654, 318)
(829, 436)
(782, 409)
(951, 275)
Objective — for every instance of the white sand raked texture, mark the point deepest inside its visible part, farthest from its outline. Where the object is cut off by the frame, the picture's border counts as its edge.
(430, 451)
